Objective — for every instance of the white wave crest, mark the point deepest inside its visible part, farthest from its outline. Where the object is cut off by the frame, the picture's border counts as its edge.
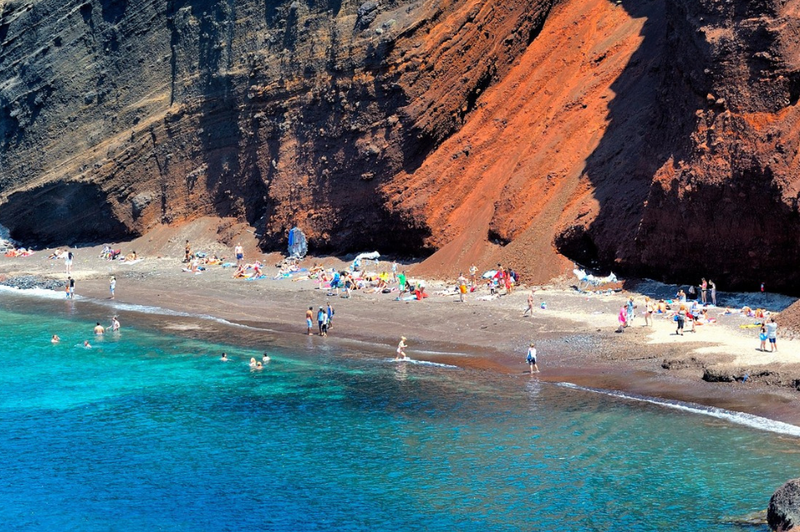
(740, 418)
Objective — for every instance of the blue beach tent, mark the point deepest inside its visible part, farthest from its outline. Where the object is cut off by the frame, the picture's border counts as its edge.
(298, 247)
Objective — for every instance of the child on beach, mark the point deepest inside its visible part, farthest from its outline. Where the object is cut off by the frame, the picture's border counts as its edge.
(401, 353)
(762, 336)
(531, 358)
(622, 318)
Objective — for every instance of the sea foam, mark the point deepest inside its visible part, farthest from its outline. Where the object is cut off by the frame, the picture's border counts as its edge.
(740, 418)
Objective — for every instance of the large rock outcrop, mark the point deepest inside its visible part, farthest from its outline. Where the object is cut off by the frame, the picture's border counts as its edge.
(652, 137)
(118, 115)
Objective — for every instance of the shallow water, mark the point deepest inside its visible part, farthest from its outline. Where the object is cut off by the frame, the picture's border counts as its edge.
(149, 430)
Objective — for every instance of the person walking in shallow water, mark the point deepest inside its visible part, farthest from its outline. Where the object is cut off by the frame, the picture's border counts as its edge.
(401, 347)
(530, 358)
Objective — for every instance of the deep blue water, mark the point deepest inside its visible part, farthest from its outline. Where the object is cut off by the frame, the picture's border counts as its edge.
(151, 431)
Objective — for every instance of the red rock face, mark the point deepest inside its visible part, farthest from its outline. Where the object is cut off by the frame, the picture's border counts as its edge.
(651, 137)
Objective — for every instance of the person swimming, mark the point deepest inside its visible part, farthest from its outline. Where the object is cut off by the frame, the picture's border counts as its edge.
(55, 339)
(86, 344)
(224, 357)
(252, 362)
(265, 358)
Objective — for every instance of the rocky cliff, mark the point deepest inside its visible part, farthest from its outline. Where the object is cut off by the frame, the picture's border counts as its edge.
(652, 137)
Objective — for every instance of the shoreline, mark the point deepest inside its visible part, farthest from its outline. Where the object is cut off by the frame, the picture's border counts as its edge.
(574, 335)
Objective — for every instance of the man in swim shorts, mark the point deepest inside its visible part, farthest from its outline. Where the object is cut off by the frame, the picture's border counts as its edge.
(310, 319)
(98, 329)
(239, 251)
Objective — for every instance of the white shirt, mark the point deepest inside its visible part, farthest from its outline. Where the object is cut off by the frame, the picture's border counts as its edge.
(772, 329)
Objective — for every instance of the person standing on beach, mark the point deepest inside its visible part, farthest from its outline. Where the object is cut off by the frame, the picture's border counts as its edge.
(713, 287)
(462, 287)
(320, 319)
(473, 272)
(531, 358)
(680, 317)
(762, 336)
(630, 312)
(187, 252)
(310, 319)
(703, 290)
(330, 312)
(239, 252)
(68, 262)
(112, 285)
(529, 308)
(71, 287)
(772, 335)
(394, 271)
(622, 318)
(648, 311)
(401, 353)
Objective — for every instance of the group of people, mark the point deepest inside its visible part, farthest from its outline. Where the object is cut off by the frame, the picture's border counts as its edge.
(98, 331)
(254, 364)
(324, 319)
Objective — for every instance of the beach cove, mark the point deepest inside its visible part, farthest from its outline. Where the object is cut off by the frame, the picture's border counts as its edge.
(333, 433)
(574, 333)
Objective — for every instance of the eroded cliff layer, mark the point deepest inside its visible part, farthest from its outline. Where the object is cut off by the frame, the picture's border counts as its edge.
(652, 137)
(282, 113)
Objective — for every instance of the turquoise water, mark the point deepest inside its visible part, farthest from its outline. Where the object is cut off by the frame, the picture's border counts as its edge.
(150, 431)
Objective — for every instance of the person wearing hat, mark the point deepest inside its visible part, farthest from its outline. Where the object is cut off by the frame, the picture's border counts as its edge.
(321, 315)
(531, 358)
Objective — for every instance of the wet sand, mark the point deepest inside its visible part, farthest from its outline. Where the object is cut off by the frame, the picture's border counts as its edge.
(575, 335)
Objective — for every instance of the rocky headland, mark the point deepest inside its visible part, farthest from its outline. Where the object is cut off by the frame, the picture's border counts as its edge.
(653, 138)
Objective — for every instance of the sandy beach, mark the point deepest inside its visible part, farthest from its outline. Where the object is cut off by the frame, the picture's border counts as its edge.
(575, 333)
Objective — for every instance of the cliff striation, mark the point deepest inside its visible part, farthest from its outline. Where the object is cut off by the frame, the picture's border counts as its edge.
(651, 137)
